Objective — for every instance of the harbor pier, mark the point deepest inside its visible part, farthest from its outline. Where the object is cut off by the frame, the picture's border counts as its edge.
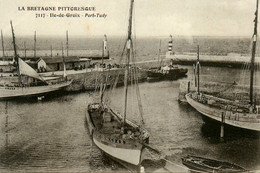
(229, 60)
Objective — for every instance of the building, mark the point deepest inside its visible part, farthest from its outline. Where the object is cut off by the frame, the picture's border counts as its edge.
(56, 63)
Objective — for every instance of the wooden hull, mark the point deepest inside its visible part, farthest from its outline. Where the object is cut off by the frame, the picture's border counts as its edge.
(14, 92)
(241, 120)
(129, 155)
(124, 151)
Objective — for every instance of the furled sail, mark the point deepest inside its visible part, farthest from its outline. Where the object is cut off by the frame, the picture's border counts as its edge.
(27, 70)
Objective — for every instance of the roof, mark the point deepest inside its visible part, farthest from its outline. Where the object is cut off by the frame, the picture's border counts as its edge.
(84, 59)
(53, 60)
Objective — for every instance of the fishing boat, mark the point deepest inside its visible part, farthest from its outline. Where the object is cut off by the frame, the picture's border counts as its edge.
(30, 83)
(112, 132)
(166, 72)
(200, 164)
(243, 113)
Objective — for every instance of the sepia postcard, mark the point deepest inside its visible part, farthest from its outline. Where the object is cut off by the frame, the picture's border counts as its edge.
(129, 86)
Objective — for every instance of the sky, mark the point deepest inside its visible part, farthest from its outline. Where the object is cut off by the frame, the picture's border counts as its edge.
(152, 18)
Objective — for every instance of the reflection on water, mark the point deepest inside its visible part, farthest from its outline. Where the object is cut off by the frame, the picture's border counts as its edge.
(50, 135)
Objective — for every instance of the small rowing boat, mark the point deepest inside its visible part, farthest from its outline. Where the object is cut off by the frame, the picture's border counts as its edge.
(209, 165)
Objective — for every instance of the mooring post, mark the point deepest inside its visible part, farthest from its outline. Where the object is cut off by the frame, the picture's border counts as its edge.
(222, 126)
(142, 170)
(188, 90)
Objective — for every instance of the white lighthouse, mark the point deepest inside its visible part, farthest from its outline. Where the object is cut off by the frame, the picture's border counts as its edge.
(105, 48)
(170, 51)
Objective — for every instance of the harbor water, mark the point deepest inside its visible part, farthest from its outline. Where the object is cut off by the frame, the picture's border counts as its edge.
(51, 135)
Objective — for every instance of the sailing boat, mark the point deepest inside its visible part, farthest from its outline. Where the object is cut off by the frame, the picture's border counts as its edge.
(235, 113)
(115, 135)
(25, 88)
(169, 72)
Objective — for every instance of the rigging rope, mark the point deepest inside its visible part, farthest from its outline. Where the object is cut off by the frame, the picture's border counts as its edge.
(243, 74)
(225, 89)
(132, 89)
(96, 81)
(114, 84)
(133, 73)
(139, 101)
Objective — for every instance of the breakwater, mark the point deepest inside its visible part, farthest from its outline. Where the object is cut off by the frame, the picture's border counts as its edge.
(230, 60)
(91, 79)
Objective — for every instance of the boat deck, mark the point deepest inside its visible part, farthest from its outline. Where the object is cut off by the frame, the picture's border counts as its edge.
(221, 103)
(108, 124)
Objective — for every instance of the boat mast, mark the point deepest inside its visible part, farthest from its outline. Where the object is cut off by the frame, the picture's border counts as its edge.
(159, 53)
(103, 46)
(252, 66)
(198, 70)
(34, 44)
(128, 51)
(16, 56)
(3, 48)
(24, 45)
(51, 50)
(67, 43)
(63, 61)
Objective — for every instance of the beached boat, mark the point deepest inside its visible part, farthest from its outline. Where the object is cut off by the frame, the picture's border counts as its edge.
(116, 136)
(200, 164)
(242, 113)
(30, 83)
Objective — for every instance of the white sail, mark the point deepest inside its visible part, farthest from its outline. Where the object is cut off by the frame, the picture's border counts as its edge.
(27, 70)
